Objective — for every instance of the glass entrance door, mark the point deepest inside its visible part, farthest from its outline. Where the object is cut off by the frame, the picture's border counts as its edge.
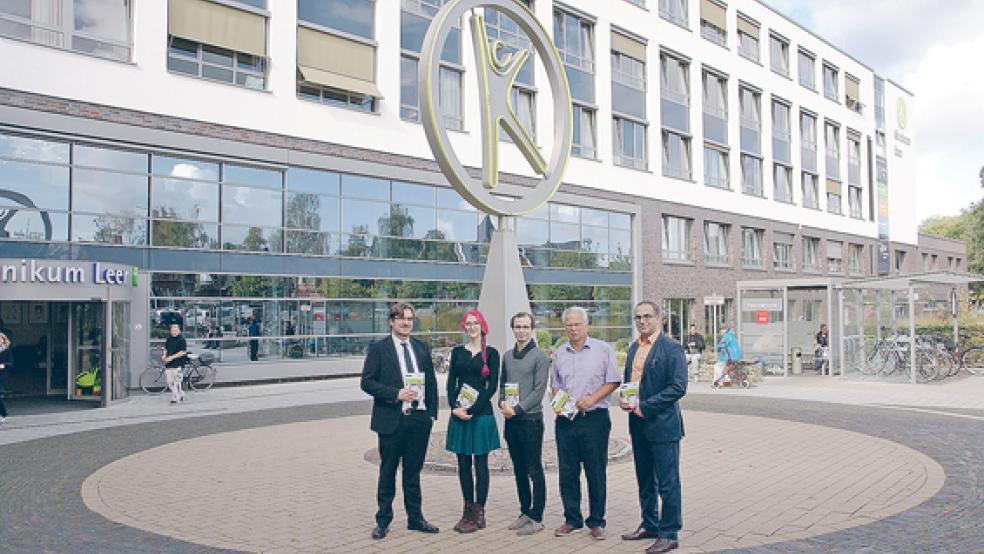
(88, 349)
(58, 349)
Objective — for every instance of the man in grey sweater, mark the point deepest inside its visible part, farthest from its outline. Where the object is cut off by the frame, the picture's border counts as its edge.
(525, 367)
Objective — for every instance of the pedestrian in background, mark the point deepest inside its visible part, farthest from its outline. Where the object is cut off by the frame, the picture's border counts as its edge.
(694, 346)
(527, 367)
(6, 363)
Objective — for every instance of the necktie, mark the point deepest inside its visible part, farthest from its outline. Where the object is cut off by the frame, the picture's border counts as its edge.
(408, 361)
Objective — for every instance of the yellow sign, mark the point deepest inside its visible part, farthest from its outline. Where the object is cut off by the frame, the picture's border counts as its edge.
(901, 115)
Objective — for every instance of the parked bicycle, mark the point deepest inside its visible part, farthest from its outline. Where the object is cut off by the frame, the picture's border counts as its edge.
(198, 374)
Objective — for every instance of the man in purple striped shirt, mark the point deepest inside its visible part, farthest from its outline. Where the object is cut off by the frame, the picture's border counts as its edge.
(584, 368)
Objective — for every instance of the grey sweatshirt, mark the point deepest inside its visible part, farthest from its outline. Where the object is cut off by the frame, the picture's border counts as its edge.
(531, 374)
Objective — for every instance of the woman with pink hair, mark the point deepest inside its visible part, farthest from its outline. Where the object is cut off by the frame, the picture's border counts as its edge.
(472, 432)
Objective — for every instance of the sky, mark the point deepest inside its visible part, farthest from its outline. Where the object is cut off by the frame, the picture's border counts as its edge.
(935, 49)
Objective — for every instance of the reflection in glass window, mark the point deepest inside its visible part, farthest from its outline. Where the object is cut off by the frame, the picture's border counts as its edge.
(314, 181)
(252, 239)
(181, 199)
(185, 168)
(354, 17)
(27, 184)
(531, 231)
(109, 229)
(312, 211)
(242, 175)
(108, 158)
(449, 198)
(31, 225)
(564, 212)
(359, 216)
(240, 205)
(409, 193)
(411, 221)
(457, 226)
(12, 146)
(583, 144)
(362, 186)
(321, 244)
(106, 192)
(184, 234)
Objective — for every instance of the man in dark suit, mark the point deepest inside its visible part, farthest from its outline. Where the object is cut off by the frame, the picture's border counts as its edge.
(401, 417)
(658, 364)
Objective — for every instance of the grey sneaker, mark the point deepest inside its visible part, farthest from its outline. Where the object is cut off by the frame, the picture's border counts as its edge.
(520, 522)
(530, 528)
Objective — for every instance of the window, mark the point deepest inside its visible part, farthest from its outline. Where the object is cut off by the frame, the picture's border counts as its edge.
(677, 313)
(715, 107)
(674, 93)
(716, 169)
(780, 132)
(782, 251)
(783, 183)
(713, 17)
(855, 259)
(899, 261)
(676, 239)
(716, 243)
(336, 55)
(879, 103)
(499, 27)
(779, 55)
(95, 27)
(243, 226)
(629, 126)
(415, 17)
(676, 155)
(854, 160)
(807, 67)
(852, 93)
(933, 263)
(354, 17)
(751, 120)
(583, 144)
(218, 42)
(630, 143)
(854, 201)
(811, 193)
(810, 247)
(832, 144)
(674, 11)
(574, 39)
(751, 175)
(835, 256)
(830, 82)
(808, 141)
(751, 247)
(834, 197)
(216, 64)
(748, 38)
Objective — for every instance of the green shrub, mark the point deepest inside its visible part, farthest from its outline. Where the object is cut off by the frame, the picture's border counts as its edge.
(622, 345)
(543, 338)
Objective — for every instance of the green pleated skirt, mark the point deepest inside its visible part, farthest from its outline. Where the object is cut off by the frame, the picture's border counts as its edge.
(479, 435)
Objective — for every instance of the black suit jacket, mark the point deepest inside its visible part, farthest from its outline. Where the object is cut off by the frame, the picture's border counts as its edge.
(382, 379)
(664, 382)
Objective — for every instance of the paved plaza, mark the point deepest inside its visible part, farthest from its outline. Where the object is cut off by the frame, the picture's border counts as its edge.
(804, 464)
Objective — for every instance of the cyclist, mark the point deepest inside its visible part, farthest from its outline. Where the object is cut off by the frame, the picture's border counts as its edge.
(729, 350)
(175, 356)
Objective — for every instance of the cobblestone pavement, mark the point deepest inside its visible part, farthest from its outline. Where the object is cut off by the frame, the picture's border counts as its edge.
(41, 508)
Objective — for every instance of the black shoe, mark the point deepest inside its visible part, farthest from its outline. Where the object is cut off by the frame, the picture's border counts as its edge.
(422, 526)
(662, 544)
(639, 534)
(379, 532)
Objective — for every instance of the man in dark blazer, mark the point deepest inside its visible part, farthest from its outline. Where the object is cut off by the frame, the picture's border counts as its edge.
(401, 418)
(658, 364)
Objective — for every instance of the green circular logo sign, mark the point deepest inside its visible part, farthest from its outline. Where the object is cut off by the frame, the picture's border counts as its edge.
(901, 115)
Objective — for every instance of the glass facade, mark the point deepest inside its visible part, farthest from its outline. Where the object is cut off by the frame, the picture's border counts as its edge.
(58, 191)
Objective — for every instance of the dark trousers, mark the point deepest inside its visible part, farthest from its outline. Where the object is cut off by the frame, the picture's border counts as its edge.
(407, 445)
(3, 409)
(525, 440)
(657, 467)
(254, 345)
(583, 442)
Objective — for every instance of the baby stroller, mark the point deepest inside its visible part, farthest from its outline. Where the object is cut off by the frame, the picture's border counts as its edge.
(734, 373)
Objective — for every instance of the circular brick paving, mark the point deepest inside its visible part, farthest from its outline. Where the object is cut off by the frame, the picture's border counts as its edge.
(748, 481)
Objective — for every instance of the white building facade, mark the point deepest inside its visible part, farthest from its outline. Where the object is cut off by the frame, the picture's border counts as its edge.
(263, 157)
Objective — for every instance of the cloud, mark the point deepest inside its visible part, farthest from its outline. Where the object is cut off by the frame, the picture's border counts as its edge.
(930, 48)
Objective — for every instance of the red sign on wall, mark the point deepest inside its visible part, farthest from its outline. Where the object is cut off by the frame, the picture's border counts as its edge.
(761, 316)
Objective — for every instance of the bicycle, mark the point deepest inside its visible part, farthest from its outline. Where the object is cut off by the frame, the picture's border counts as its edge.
(972, 359)
(198, 374)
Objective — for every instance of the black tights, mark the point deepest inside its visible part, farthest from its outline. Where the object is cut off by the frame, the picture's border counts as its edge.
(480, 488)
